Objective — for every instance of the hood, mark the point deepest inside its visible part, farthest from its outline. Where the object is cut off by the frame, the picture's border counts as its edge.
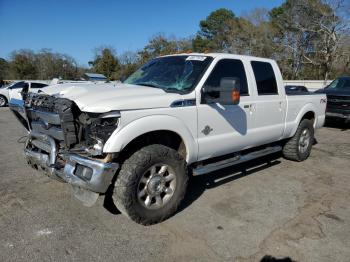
(334, 91)
(101, 98)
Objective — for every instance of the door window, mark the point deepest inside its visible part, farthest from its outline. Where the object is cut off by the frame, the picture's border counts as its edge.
(265, 78)
(228, 68)
(37, 85)
(18, 85)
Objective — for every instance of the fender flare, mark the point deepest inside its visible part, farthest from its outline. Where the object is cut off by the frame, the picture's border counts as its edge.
(309, 107)
(122, 137)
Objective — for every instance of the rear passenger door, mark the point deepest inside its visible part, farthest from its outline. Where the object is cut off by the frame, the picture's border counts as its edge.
(269, 107)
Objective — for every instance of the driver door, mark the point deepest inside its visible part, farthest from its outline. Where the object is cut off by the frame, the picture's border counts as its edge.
(223, 129)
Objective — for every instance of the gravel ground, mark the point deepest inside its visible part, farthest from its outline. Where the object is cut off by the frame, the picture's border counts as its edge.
(271, 206)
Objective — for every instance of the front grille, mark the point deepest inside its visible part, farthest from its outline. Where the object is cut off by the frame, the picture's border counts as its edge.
(47, 123)
(338, 102)
(54, 117)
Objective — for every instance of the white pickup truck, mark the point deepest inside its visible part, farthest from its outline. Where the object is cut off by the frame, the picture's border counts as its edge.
(178, 115)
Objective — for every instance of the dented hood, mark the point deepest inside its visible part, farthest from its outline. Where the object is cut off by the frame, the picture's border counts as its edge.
(101, 98)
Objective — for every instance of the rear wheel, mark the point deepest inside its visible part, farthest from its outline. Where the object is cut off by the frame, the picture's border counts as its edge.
(3, 101)
(298, 148)
(151, 184)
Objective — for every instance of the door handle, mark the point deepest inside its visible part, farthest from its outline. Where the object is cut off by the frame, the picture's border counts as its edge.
(251, 108)
(280, 105)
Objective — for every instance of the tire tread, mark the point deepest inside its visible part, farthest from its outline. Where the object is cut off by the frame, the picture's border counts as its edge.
(290, 149)
(127, 179)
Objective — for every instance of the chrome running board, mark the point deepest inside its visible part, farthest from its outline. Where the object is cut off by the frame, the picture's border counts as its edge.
(204, 169)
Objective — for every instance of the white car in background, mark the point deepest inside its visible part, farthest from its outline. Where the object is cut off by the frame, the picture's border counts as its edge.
(14, 90)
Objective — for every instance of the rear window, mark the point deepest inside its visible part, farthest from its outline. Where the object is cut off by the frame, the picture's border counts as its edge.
(265, 78)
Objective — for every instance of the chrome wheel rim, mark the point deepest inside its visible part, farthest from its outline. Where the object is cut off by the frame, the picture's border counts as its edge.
(2, 101)
(157, 186)
(304, 141)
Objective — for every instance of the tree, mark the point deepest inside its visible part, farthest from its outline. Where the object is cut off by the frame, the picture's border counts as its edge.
(333, 31)
(213, 31)
(257, 16)
(162, 45)
(4, 69)
(342, 66)
(291, 43)
(157, 46)
(129, 62)
(54, 65)
(241, 37)
(23, 65)
(256, 24)
(105, 62)
(309, 32)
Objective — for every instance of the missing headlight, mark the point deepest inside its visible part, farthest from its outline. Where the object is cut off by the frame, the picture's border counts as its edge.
(97, 128)
(103, 128)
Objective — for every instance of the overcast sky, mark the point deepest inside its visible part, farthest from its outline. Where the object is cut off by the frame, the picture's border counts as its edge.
(76, 27)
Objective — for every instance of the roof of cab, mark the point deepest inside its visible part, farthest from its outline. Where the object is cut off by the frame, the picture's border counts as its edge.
(223, 55)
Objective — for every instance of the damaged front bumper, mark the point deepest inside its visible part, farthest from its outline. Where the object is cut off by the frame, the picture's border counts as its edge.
(79, 171)
(88, 176)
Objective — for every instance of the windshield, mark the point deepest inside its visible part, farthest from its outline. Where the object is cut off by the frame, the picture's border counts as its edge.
(340, 83)
(171, 73)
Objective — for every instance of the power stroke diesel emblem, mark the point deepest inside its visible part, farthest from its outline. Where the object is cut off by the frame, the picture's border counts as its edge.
(207, 130)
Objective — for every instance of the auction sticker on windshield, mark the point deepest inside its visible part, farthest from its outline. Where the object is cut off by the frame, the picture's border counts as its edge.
(196, 58)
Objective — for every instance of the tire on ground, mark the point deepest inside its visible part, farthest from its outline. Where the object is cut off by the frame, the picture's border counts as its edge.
(133, 169)
(4, 99)
(291, 149)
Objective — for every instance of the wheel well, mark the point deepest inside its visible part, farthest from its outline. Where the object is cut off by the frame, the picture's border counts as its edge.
(310, 116)
(162, 137)
(4, 98)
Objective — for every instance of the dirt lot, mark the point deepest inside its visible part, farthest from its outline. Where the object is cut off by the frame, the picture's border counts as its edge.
(272, 206)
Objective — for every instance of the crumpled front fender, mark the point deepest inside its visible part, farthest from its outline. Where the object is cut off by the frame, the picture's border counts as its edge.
(122, 137)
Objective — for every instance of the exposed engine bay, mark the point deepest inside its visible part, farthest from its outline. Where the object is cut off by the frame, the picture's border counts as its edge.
(72, 129)
(67, 144)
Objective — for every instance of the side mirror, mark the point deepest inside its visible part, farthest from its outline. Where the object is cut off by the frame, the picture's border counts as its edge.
(228, 93)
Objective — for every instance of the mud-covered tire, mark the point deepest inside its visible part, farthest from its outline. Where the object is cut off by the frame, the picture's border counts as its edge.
(293, 149)
(126, 188)
(3, 101)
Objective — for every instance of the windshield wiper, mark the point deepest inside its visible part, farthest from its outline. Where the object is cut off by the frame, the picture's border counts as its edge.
(166, 89)
(174, 90)
(148, 84)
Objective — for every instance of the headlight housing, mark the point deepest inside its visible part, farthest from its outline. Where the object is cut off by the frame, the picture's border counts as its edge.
(98, 128)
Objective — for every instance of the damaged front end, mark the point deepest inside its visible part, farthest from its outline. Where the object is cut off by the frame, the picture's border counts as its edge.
(67, 144)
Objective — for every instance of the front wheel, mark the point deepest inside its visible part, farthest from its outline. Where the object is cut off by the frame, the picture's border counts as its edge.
(3, 101)
(151, 184)
(298, 148)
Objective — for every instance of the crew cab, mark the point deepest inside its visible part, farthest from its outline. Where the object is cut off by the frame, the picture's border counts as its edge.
(176, 116)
